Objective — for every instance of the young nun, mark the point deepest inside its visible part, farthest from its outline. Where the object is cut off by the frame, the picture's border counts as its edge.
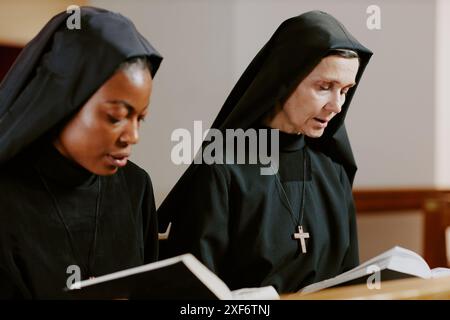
(70, 200)
(297, 225)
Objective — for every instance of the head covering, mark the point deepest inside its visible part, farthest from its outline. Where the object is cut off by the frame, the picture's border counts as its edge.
(60, 69)
(294, 50)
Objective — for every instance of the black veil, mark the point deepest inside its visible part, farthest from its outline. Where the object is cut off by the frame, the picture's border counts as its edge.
(58, 71)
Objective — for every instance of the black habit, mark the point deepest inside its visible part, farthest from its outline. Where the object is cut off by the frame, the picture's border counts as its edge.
(54, 214)
(237, 221)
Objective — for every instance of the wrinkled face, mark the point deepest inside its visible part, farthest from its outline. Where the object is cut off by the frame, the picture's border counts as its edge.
(100, 136)
(318, 98)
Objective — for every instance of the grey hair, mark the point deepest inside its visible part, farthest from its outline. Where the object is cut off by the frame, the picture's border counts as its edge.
(344, 53)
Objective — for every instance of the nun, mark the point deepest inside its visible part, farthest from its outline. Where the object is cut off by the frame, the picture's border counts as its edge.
(72, 205)
(296, 226)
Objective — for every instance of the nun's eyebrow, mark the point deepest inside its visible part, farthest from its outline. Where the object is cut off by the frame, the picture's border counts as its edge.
(336, 81)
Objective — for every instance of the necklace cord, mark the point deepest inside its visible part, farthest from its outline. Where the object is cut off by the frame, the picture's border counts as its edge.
(302, 210)
(75, 251)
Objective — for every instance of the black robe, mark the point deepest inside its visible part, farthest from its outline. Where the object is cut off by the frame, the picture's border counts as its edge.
(241, 227)
(238, 221)
(35, 247)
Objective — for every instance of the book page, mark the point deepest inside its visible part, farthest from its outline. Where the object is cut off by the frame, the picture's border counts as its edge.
(398, 252)
(126, 272)
(342, 278)
(397, 259)
(410, 265)
(440, 272)
(182, 277)
(209, 278)
(262, 293)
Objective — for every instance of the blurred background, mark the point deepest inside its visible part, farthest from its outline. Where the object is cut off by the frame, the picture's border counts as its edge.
(398, 123)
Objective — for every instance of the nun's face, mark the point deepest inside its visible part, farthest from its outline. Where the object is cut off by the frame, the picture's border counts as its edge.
(100, 136)
(318, 98)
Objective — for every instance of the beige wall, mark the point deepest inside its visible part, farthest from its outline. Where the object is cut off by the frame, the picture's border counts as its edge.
(379, 231)
(442, 76)
(21, 20)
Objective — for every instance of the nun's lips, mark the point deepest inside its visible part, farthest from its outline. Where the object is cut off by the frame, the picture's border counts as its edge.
(322, 122)
(118, 160)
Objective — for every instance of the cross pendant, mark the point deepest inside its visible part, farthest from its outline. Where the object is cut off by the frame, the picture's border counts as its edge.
(301, 236)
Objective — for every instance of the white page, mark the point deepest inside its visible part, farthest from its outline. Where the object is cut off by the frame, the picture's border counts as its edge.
(263, 293)
(440, 272)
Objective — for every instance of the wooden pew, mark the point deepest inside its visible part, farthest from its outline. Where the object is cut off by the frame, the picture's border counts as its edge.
(411, 288)
(434, 203)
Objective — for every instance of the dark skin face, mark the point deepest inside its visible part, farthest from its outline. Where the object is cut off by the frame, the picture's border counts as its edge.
(100, 136)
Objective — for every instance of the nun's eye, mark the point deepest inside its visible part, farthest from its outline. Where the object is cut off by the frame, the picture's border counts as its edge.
(112, 119)
(324, 87)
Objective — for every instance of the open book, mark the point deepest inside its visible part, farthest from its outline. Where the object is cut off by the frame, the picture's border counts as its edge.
(396, 263)
(180, 277)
